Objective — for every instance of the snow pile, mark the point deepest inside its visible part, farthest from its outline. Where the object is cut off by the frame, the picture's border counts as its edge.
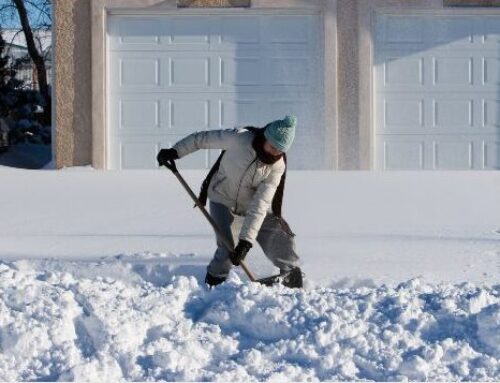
(74, 322)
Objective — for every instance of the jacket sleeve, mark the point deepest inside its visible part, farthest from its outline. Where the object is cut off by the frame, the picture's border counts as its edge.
(260, 203)
(207, 139)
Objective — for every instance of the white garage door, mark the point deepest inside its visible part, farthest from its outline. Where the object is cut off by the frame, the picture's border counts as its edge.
(437, 92)
(169, 76)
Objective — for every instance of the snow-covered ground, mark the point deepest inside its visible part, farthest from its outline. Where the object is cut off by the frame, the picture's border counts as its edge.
(101, 278)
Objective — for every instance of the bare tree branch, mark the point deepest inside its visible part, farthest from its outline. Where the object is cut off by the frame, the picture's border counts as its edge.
(35, 54)
(14, 36)
(43, 12)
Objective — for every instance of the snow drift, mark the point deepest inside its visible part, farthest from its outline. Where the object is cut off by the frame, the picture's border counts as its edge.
(105, 320)
(100, 280)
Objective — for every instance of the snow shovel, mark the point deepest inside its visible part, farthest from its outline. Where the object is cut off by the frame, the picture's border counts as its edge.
(171, 165)
(287, 279)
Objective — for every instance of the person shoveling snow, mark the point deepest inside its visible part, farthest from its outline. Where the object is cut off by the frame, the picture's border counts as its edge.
(245, 188)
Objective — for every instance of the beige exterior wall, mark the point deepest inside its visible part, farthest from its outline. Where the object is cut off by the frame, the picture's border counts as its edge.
(72, 103)
(348, 50)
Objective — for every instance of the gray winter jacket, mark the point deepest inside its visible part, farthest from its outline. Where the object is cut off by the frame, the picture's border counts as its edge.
(243, 183)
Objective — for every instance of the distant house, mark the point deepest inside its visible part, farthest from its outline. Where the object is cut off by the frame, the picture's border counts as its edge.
(375, 84)
(17, 50)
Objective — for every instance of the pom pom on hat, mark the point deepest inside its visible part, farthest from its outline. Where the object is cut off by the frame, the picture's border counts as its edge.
(290, 121)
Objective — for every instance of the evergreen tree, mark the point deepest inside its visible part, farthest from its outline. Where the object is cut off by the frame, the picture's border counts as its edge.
(18, 105)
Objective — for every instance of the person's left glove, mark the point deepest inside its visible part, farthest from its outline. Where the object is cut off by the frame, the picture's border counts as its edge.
(240, 252)
(166, 155)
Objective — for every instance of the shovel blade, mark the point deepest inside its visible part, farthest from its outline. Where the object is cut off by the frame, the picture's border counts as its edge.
(292, 279)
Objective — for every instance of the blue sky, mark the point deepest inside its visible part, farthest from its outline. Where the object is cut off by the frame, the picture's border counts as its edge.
(14, 21)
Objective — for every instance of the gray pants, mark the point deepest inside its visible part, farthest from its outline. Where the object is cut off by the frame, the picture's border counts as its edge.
(275, 238)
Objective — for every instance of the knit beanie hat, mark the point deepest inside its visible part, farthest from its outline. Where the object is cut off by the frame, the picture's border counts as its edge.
(281, 132)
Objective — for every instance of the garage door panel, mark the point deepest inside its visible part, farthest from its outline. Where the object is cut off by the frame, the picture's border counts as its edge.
(491, 153)
(437, 32)
(157, 72)
(420, 113)
(139, 114)
(452, 31)
(406, 70)
(452, 155)
(144, 113)
(489, 31)
(454, 114)
(491, 114)
(181, 73)
(491, 71)
(290, 72)
(240, 71)
(214, 33)
(238, 112)
(452, 70)
(137, 155)
(401, 114)
(297, 30)
(129, 71)
(190, 31)
(240, 30)
(188, 114)
(426, 31)
(400, 30)
(146, 33)
(189, 72)
(139, 72)
(438, 152)
(401, 153)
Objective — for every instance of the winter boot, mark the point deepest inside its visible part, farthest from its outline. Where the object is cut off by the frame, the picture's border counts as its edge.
(212, 281)
(293, 278)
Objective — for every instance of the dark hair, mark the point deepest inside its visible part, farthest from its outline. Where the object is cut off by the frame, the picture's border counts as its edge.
(258, 145)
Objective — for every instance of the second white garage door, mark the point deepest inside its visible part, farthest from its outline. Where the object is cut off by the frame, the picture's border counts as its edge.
(172, 75)
(437, 92)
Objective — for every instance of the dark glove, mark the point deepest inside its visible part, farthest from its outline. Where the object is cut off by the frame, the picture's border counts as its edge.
(165, 155)
(240, 252)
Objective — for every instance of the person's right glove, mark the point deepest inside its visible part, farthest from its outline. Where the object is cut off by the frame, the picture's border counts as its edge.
(240, 252)
(166, 155)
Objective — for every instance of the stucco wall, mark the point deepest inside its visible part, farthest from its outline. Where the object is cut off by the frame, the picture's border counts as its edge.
(348, 85)
(213, 3)
(72, 141)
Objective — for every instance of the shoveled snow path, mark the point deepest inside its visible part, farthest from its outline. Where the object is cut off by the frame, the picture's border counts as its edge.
(110, 320)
